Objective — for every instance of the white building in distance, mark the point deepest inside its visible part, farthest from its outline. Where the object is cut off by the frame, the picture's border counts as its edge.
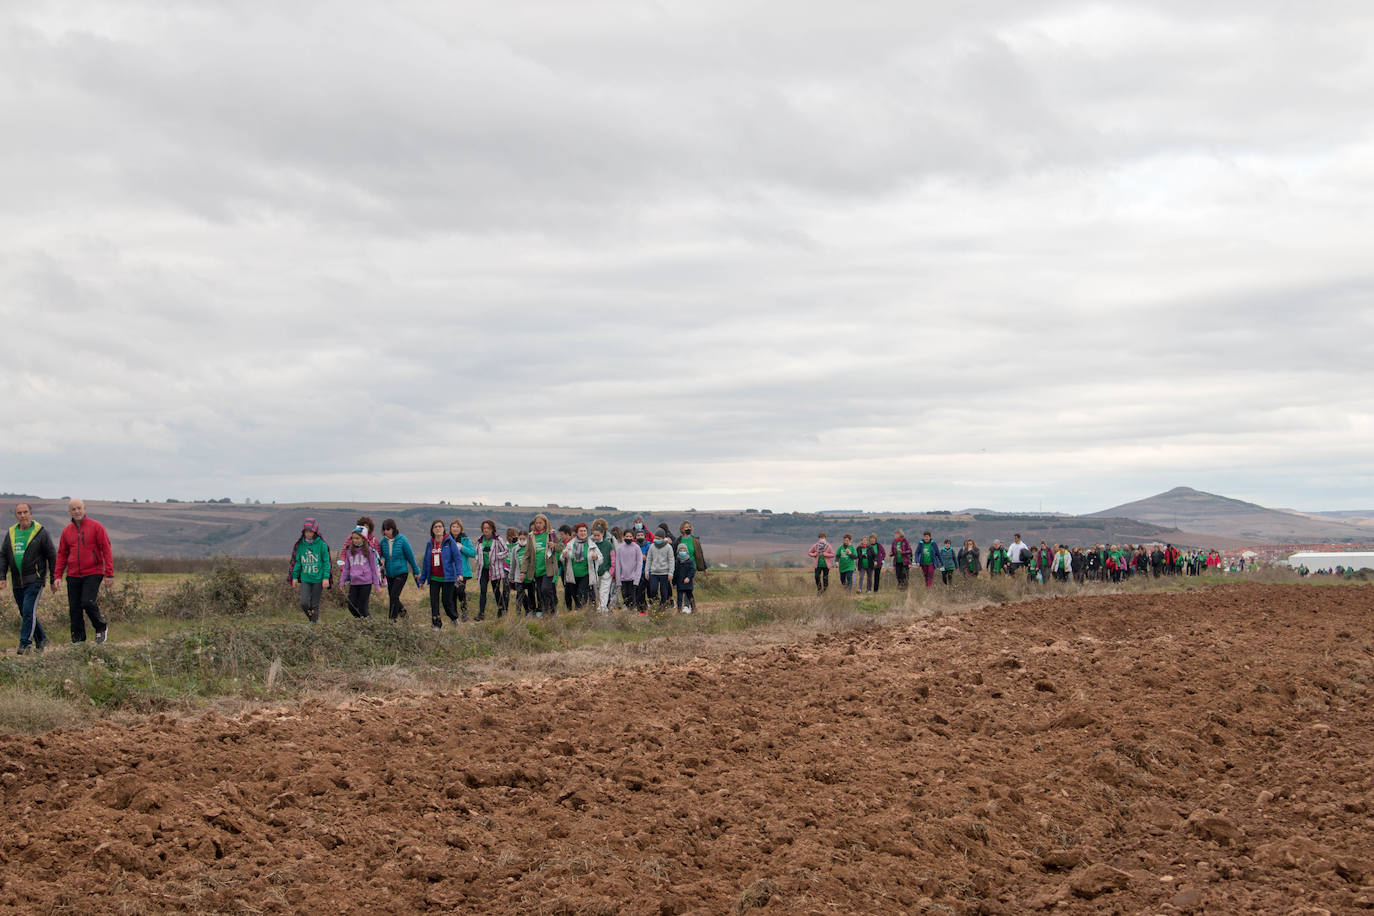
(1330, 559)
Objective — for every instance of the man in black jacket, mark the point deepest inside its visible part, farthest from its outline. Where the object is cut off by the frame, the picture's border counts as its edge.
(28, 554)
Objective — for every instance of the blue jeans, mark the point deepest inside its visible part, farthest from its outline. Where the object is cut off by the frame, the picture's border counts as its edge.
(30, 630)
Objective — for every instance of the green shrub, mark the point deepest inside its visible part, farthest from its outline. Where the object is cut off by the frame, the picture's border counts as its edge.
(225, 591)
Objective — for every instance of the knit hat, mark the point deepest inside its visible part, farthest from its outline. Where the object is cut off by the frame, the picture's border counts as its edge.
(311, 525)
(360, 530)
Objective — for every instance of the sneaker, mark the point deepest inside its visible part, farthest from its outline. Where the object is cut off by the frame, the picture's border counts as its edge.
(42, 643)
(24, 650)
(435, 624)
(101, 635)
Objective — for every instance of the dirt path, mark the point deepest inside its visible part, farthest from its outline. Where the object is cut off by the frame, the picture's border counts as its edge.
(1141, 753)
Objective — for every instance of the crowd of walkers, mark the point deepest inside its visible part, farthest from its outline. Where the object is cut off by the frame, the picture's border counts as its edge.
(860, 566)
(516, 571)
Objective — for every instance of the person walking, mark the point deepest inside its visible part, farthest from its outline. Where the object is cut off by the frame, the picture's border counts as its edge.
(997, 558)
(949, 562)
(1017, 554)
(466, 553)
(310, 568)
(29, 556)
(605, 546)
(846, 558)
(362, 572)
(694, 548)
(659, 563)
(969, 561)
(927, 556)
(901, 558)
(517, 542)
(541, 564)
(684, 578)
(84, 556)
(491, 569)
(879, 558)
(398, 562)
(581, 558)
(864, 563)
(629, 569)
(439, 563)
(824, 555)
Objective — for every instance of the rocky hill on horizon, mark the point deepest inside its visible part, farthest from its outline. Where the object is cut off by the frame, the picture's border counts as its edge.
(1221, 516)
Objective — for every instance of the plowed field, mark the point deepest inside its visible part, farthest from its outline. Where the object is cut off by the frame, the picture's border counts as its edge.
(1151, 753)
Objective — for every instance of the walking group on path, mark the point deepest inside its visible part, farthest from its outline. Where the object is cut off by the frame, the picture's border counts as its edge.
(598, 566)
(1039, 564)
(29, 560)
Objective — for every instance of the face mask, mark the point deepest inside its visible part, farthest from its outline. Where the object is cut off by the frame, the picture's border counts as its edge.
(523, 542)
(682, 554)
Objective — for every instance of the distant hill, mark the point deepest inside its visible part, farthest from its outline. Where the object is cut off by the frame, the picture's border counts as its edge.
(1210, 514)
(734, 538)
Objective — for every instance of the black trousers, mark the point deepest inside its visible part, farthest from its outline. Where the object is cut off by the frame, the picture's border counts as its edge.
(877, 576)
(358, 598)
(822, 578)
(442, 595)
(83, 593)
(947, 576)
(394, 586)
(629, 593)
(482, 583)
(901, 570)
(582, 591)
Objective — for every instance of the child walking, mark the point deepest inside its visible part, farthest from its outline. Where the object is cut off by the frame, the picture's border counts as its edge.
(361, 572)
(310, 568)
(684, 578)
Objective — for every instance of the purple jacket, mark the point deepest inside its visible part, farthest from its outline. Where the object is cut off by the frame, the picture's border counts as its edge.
(360, 567)
(629, 562)
(900, 547)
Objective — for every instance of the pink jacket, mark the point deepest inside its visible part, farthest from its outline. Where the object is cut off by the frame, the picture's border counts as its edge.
(822, 550)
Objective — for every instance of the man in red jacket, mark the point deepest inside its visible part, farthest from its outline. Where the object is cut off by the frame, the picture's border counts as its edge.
(85, 557)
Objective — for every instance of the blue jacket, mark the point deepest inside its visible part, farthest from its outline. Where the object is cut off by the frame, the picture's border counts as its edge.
(451, 554)
(397, 556)
(456, 565)
(948, 558)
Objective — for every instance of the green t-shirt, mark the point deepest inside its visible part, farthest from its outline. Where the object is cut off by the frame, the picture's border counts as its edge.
(846, 556)
(927, 553)
(580, 566)
(19, 540)
(997, 558)
(486, 553)
(540, 544)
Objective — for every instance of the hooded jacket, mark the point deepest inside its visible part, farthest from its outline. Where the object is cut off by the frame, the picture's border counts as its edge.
(685, 574)
(40, 558)
(310, 561)
(360, 566)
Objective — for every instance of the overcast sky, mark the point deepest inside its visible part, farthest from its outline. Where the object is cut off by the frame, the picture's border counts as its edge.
(882, 255)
